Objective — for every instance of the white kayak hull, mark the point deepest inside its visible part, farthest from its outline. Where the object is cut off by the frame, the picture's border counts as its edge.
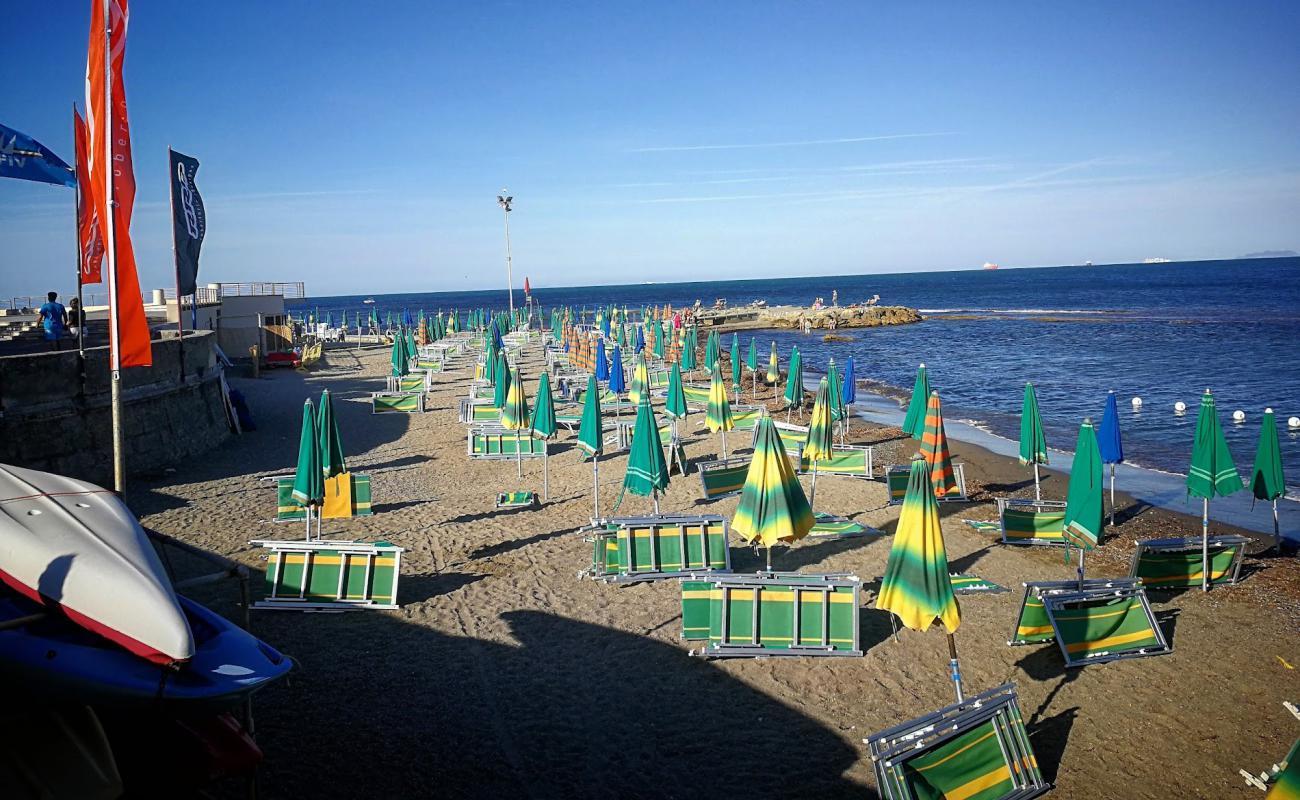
(72, 545)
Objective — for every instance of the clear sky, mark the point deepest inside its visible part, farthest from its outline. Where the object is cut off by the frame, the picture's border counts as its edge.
(360, 146)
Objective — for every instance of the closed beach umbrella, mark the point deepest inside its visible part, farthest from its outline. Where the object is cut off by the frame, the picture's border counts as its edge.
(398, 357)
(773, 507)
(501, 391)
(751, 361)
(331, 443)
(916, 587)
(617, 381)
(591, 438)
(675, 402)
(1110, 445)
(412, 352)
(711, 350)
(1033, 444)
(622, 336)
(794, 384)
(820, 441)
(1266, 480)
(773, 370)
(640, 339)
(515, 417)
(1212, 473)
(835, 394)
(735, 365)
(914, 420)
(544, 424)
(934, 449)
(647, 471)
(602, 363)
(850, 391)
(661, 337)
(640, 381)
(688, 350)
(309, 477)
(1083, 503)
(718, 417)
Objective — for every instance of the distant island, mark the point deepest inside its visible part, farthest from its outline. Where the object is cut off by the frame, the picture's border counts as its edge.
(1272, 254)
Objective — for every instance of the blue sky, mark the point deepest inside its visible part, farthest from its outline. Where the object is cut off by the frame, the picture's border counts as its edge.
(359, 147)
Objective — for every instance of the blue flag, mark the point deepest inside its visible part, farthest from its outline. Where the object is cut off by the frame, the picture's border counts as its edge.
(24, 158)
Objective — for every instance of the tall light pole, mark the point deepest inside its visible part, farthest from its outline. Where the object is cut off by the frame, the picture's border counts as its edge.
(504, 201)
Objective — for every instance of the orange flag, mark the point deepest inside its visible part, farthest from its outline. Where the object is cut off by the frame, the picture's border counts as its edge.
(92, 247)
(110, 139)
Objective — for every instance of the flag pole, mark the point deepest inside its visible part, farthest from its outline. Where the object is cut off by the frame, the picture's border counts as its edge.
(180, 323)
(81, 258)
(110, 245)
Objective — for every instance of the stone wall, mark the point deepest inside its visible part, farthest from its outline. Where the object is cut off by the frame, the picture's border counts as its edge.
(53, 419)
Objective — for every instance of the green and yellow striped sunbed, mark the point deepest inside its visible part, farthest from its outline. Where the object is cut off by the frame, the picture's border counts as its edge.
(486, 442)
(430, 364)
(1032, 521)
(287, 509)
(745, 418)
(1032, 623)
(397, 402)
(1177, 563)
(631, 549)
(896, 484)
(972, 584)
(414, 382)
(516, 500)
(330, 574)
(723, 478)
(1103, 625)
(772, 614)
(976, 749)
(831, 526)
(853, 461)
(696, 395)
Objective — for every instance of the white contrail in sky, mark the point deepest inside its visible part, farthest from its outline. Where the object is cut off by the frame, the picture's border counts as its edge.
(804, 143)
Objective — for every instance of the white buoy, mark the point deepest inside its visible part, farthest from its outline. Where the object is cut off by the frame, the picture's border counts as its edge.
(1137, 402)
(1294, 422)
(1239, 416)
(1180, 407)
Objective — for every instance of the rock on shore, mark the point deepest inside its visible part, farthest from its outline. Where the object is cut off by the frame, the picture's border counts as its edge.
(789, 317)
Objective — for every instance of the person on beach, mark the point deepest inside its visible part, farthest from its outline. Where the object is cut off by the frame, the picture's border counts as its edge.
(835, 297)
(76, 317)
(55, 319)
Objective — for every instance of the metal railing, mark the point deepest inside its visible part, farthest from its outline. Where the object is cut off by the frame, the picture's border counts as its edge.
(295, 290)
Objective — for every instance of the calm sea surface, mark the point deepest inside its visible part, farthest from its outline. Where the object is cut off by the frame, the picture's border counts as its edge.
(1162, 332)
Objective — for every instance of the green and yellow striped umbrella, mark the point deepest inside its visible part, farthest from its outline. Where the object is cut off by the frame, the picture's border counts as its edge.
(718, 416)
(711, 350)
(640, 387)
(514, 414)
(820, 441)
(647, 471)
(1084, 510)
(773, 507)
(1212, 473)
(1033, 444)
(916, 587)
(773, 369)
(934, 448)
(914, 420)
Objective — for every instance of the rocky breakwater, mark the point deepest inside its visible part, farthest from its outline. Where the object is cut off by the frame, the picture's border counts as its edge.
(795, 317)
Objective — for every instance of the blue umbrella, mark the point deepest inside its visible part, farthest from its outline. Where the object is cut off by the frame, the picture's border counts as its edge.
(604, 325)
(496, 337)
(617, 382)
(640, 340)
(850, 383)
(602, 363)
(1112, 449)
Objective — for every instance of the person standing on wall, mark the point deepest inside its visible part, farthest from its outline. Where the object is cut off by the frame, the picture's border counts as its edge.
(55, 319)
(76, 317)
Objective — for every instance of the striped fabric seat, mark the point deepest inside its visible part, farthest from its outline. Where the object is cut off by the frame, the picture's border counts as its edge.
(330, 574)
(287, 509)
(772, 614)
(631, 549)
(853, 461)
(516, 500)
(972, 584)
(397, 402)
(502, 443)
(896, 484)
(723, 478)
(1032, 521)
(696, 395)
(1033, 625)
(1177, 563)
(1104, 625)
(830, 526)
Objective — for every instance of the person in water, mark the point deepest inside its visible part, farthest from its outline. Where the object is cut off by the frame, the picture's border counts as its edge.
(55, 319)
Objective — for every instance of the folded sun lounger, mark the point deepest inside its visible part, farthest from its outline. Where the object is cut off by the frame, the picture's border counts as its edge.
(631, 549)
(287, 509)
(971, 584)
(896, 483)
(486, 441)
(1032, 623)
(326, 575)
(772, 614)
(1032, 521)
(415, 382)
(853, 461)
(1098, 623)
(723, 478)
(397, 402)
(1177, 563)
(517, 500)
(977, 748)
(830, 526)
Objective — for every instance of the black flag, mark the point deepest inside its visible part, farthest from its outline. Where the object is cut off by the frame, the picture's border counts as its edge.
(188, 221)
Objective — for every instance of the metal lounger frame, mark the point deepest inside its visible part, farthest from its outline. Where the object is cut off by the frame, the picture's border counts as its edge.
(419, 400)
(1233, 542)
(892, 748)
(713, 466)
(506, 433)
(1005, 503)
(958, 475)
(798, 582)
(682, 522)
(1040, 588)
(1055, 602)
(370, 551)
(868, 457)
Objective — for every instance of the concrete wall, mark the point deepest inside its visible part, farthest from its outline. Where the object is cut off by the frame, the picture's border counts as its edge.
(50, 419)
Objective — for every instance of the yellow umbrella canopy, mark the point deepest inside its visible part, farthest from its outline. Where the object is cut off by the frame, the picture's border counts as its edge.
(773, 507)
(916, 587)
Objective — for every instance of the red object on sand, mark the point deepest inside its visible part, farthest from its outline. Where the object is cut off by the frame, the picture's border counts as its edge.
(273, 360)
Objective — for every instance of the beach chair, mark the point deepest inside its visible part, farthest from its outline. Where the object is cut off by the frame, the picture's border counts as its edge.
(659, 380)
(412, 382)
(358, 502)
(1032, 623)
(1282, 781)
(1098, 623)
(745, 418)
(984, 526)
(397, 402)
(975, 748)
(896, 484)
(330, 575)
(1177, 563)
(696, 396)
(851, 461)
(1032, 521)
(772, 614)
(517, 500)
(676, 455)
(428, 365)
(723, 478)
(632, 549)
(971, 584)
(495, 442)
(831, 526)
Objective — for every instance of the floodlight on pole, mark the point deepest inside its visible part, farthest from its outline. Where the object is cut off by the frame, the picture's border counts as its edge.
(504, 201)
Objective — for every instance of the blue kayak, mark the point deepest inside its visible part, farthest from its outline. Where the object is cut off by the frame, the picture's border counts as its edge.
(52, 655)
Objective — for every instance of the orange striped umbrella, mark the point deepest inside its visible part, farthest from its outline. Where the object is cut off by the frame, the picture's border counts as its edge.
(934, 447)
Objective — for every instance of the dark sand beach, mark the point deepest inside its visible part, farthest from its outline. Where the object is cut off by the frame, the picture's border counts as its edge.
(505, 675)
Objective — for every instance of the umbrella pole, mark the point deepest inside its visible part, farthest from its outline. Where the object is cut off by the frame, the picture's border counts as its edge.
(724, 445)
(1082, 553)
(1038, 492)
(1112, 495)
(519, 457)
(654, 498)
(307, 508)
(769, 558)
(595, 485)
(1277, 532)
(956, 667)
(546, 473)
(812, 493)
(1205, 544)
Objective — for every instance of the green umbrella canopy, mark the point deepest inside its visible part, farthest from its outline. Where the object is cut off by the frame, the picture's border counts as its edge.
(718, 416)
(309, 478)
(675, 402)
(735, 360)
(590, 435)
(501, 391)
(914, 421)
(1266, 481)
(773, 507)
(544, 424)
(514, 414)
(916, 587)
(751, 358)
(794, 380)
(688, 350)
(820, 440)
(1033, 444)
(398, 358)
(773, 366)
(490, 366)
(331, 443)
(1212, 471)
(646, 469)
(1083, 503)
(711, 350)
(412, 352)
(835, 391)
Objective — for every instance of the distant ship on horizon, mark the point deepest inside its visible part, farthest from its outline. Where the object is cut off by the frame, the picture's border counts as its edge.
(990, 265)
(1156, 260)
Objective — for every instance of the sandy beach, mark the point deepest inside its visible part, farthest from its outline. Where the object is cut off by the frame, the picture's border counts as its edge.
(503, 674)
